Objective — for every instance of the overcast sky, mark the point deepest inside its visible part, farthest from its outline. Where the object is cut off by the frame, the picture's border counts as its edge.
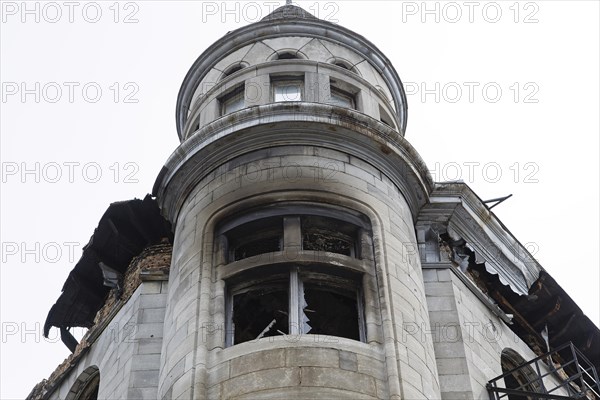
(503, 95)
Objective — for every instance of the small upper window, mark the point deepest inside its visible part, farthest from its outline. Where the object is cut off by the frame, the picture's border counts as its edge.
(233, 69)
(288, 55)
(385, 118)
(345, 65)
(233, 101)
(341, 98)
(287, 90)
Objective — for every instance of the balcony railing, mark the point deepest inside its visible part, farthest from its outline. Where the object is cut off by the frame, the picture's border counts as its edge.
(576, 378)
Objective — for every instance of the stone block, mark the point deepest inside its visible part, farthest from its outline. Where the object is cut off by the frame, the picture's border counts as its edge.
(141, 379)
(348, 361)
(337, 378)
(258, 361)
(145, 362)
(319, 357)
(455, 383)
(360, 173)
(151, 315)
(260, 380)
(140, 393)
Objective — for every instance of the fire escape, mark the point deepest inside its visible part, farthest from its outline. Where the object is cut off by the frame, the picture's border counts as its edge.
(576, 378)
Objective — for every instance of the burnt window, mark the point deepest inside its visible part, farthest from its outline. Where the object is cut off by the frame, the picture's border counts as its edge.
(328, 234)
(256, 237)
(302, 301)
(294, 290)
(317, 233)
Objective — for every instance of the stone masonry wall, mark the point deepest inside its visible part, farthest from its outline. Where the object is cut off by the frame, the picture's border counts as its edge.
(391, 365)
(127, 352)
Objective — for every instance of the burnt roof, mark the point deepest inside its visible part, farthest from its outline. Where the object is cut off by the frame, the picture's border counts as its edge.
(125, 229)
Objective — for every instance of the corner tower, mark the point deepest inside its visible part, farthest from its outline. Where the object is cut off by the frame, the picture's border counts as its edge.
(294, 197)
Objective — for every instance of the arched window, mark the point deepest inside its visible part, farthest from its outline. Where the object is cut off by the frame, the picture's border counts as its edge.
(523, 377)
(233, 69)
(86, 386)
(287, 55)
(293, 271)
(347, 65)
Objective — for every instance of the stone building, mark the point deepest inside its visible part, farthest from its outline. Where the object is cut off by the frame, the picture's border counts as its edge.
(295, 246)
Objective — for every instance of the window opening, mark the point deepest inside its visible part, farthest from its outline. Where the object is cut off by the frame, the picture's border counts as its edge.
(328, 234)
(287, 56)
(301, 302)
(256, 237)
(233, 70)
(233, 101)
(385, 118)
(287, 90)
(341, 98)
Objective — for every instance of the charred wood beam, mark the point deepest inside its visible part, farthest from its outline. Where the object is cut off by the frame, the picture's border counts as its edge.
(520, 319)
(548, 314)
(68, 339)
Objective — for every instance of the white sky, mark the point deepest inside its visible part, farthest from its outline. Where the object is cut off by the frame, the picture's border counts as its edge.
(554, 140)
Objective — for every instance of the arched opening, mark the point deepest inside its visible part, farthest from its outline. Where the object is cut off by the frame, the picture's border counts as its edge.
(287, 55)
(233, 69)
(522, 378)
(86, 386)
(345, 64)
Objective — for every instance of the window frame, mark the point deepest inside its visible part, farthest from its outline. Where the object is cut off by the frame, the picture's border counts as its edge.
(298, 276)
(280, 81)
(237, 93)
(337, 273)
(344, 95)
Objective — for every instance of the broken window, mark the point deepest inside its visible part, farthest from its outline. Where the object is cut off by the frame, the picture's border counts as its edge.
(318, 233)
(299, 295)
(328, 234)
(299, 302)
(256, 237)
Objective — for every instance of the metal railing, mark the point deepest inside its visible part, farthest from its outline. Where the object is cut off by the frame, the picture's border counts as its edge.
(576, 378)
